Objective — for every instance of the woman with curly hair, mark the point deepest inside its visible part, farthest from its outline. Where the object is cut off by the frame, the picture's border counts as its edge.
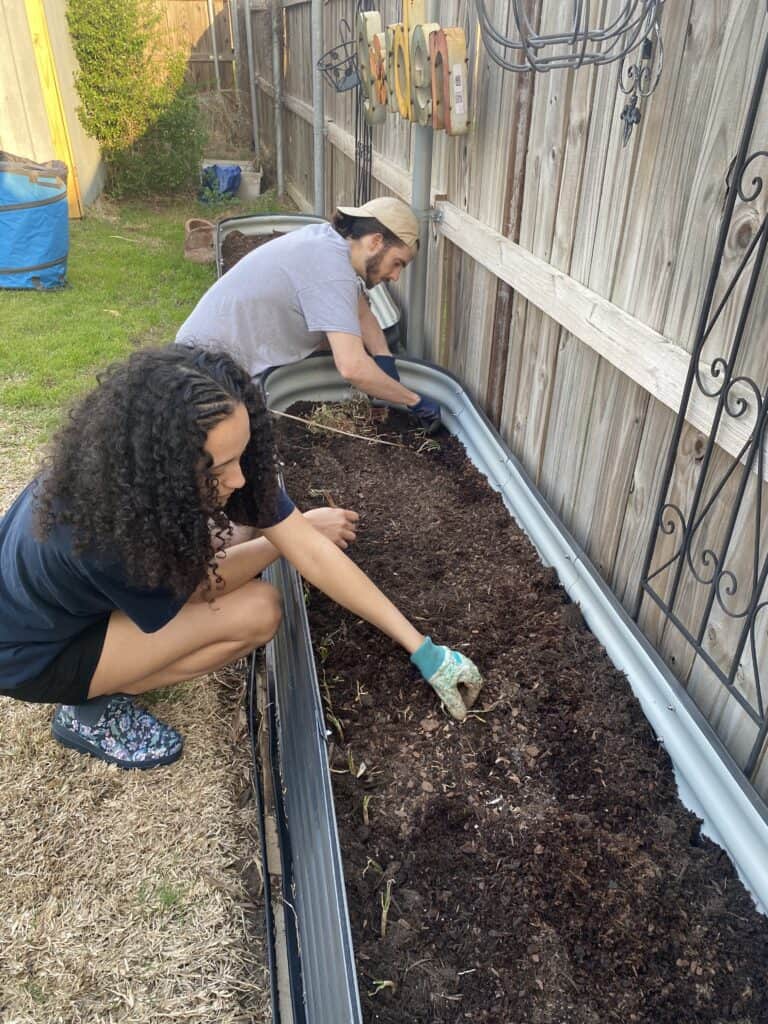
(114, 575)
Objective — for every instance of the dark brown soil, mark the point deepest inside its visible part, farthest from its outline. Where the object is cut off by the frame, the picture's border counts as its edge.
(540, 866)
(236, 245)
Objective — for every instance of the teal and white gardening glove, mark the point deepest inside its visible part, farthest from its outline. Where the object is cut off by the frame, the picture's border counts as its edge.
(454, 678)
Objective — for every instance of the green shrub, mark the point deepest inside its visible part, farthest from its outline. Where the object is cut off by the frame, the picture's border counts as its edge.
(167, 157)
(133, 98)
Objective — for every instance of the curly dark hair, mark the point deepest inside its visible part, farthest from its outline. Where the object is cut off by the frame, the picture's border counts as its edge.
(129, 476)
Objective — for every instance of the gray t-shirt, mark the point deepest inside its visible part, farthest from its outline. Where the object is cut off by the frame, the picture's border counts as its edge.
(277, 303)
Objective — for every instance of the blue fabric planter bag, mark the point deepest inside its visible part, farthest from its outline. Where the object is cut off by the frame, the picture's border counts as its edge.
(34, 223)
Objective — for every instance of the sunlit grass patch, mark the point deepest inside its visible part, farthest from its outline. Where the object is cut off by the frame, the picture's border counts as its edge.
(128, 286)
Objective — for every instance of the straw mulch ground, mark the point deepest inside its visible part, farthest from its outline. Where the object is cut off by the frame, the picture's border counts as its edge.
(124, 896)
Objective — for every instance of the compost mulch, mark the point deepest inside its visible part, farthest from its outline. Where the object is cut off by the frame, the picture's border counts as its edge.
(236, 245)
(534, 864)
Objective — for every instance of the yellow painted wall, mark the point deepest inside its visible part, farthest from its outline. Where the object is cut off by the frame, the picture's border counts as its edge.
(87, 157)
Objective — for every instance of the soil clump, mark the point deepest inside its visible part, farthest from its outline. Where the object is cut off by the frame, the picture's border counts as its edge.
(237, 244)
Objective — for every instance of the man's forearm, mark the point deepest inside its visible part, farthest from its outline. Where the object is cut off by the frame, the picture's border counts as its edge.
(369, 378)
(358, 368)
(371, 332)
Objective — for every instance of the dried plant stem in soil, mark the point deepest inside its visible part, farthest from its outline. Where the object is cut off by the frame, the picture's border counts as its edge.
(335, 430)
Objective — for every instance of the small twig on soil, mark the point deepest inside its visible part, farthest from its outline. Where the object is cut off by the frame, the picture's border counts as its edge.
(505, 699)
(386, 900)
(335, 430)
(319, 492)
(417, 963)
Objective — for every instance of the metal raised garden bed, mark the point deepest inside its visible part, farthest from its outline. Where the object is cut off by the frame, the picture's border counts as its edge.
(323, 979)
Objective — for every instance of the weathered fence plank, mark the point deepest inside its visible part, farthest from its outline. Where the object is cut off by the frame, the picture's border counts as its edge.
(642, 354)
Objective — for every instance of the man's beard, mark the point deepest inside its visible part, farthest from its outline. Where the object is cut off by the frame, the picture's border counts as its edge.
(372, 267)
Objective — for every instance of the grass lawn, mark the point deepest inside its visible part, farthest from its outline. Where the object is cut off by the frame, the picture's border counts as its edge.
(129, 285)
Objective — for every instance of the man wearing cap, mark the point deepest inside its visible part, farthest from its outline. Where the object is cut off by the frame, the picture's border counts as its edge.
(282, 301)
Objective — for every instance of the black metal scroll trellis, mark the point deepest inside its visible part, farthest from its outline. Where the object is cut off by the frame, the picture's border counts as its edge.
(363, 153)
(363, 137)
(741, 598)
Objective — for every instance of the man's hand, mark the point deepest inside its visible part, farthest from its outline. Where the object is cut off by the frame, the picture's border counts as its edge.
(425, 410)
(338, 524)
(454, 678)
(427, 413)
(359, 369)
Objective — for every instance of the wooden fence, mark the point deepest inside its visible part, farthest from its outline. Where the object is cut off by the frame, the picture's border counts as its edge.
(567, 271)
(206, 30)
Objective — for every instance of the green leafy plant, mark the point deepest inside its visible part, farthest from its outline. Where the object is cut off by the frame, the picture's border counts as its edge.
(212, 196)
(133, 98)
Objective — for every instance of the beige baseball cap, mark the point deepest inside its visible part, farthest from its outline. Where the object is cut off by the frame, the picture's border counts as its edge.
(393, 214)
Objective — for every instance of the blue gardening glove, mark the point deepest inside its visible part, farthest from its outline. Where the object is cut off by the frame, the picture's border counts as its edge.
(387, 364)
(445, 671)
(427, 413)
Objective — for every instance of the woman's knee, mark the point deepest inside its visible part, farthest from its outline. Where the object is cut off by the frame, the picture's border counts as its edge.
(259, 612)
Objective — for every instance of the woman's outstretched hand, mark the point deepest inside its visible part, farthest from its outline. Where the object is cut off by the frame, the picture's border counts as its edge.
(454, 678)
(337, 524)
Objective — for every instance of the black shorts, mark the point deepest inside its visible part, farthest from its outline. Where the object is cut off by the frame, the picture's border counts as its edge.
(68, 677)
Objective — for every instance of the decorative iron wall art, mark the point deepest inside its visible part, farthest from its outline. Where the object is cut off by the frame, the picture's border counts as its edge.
(707, 561)
(413, 68)
(581, 38)
(632, 36)
(639, 79)
(341, 70)
(339, 64)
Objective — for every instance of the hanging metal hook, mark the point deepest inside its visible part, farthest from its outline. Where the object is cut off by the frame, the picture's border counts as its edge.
(642, 78)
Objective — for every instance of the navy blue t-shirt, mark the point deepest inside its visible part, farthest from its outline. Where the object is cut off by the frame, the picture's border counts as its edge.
(48, 594)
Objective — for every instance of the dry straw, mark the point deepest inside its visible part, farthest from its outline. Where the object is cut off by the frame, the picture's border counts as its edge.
(123, 895)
